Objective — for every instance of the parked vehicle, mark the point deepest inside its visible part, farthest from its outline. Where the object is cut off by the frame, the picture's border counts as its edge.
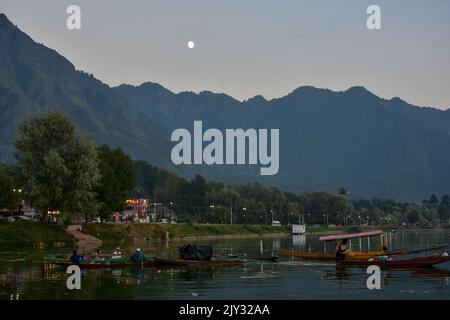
(22, 218)
(276, 224)
(8, 219)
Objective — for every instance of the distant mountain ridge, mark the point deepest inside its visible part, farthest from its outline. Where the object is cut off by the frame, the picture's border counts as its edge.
(372, 146)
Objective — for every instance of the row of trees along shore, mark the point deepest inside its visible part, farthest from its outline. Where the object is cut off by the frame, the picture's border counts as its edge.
(60, 170)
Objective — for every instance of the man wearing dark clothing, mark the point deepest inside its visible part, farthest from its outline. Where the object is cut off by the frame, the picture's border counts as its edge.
(341, 250)
(75, 258)
(138, 256)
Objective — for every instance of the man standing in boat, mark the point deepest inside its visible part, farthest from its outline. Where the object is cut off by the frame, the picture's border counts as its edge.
(342, 250)
(138, 256)
(75, 258)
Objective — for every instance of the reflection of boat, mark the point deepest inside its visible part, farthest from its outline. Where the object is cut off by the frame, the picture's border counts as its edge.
(213, 263)
(272, 258)
(102, 264)
(431, 273)
(422, 262)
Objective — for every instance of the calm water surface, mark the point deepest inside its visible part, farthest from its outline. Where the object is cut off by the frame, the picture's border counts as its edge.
(22, 274)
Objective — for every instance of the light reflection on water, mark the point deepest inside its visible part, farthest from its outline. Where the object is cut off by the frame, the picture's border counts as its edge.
(23, 273)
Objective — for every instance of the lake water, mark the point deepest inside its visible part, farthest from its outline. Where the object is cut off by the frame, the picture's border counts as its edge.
(23, 275)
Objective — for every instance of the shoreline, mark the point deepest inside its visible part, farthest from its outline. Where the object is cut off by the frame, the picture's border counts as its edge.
(233, 236)
(32, 234)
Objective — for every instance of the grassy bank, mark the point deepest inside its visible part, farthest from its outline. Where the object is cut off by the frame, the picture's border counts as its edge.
(117, 232)
(337, 230)
(32, 233)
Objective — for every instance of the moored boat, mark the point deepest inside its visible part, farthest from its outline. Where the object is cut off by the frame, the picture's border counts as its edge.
(332, 256)
(102, 264)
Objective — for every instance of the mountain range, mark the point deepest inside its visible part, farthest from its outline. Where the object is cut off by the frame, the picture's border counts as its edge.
(373, 147)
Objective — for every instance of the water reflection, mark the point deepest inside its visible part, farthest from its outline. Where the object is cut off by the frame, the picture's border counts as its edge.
(22, 273)
(299, 242)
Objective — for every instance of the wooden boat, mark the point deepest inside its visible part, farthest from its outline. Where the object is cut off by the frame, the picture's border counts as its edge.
(102, 264)
(422, 262)
(350, 255)
(213, 263)
(332, 256)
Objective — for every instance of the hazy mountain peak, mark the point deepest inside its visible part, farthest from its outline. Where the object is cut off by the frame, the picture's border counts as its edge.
(330, 139)
(258, 99)
(3, 17)
(359, 90)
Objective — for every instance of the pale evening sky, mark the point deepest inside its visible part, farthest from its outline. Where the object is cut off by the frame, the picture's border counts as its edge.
(246, 48)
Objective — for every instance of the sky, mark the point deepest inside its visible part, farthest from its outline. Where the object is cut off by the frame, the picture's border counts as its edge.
(246, 48)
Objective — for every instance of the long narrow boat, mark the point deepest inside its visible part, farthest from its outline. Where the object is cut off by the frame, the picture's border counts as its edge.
(196, 263)
(102, 264)
(350, 255)
(422, 262)
(332, 256)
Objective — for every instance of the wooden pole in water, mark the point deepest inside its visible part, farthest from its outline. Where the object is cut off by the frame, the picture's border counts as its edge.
(381, 239)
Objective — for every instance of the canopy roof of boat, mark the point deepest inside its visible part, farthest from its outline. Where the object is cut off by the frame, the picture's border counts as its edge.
(352, 236)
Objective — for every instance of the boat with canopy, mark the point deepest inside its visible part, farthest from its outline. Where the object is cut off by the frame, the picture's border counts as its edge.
(385, 260)
(351, 255)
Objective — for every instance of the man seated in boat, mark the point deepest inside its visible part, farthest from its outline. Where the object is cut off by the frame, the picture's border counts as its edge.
(117, 254)
(138, 256)
(76, 258)
(342, 250)
(97, 255)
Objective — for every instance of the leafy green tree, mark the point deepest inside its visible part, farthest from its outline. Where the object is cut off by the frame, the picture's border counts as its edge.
(117, 179)
(445, 201)
(434, 199)
(7, 194)
(413, 215)
(59, 165)
(342, 191)
(331, 205)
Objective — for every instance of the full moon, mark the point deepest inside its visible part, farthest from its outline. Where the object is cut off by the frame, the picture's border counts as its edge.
(191, 44)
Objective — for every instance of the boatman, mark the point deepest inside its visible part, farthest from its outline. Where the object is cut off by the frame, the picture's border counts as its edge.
(342, 250)
(117, 254)
(138, 256)
(75, 258)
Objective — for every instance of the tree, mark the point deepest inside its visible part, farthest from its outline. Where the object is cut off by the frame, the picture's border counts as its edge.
(413, 215)
(445, 201)
(342, 191)
(117, 178)
(434, 199)
(60, 166)
(7, 194)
